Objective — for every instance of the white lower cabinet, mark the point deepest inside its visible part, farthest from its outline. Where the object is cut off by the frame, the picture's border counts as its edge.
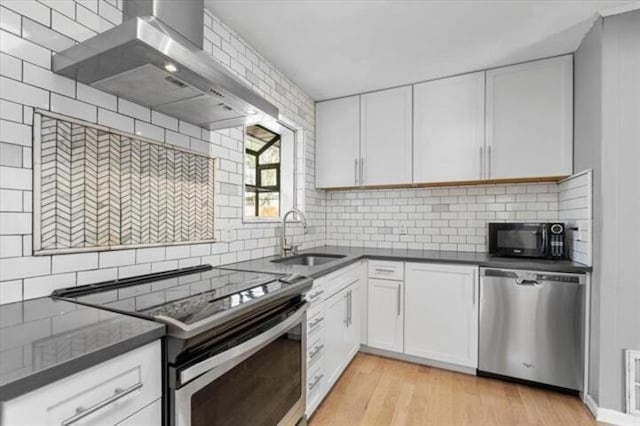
(386, 315)
(110, 393)
(441, 313)
(151, 415)
(333, 331)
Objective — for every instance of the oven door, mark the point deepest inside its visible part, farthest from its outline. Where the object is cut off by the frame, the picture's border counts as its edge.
(259, 381)
(518, 239)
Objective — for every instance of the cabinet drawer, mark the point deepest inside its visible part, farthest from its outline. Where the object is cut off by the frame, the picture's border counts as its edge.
(384, 270)
(104, 394)
(315, 322)
(315, 349)
(341, 278)
(149, 415)
(316, 387)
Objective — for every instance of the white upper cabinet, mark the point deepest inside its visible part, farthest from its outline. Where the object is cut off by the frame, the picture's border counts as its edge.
(529, 128)
(448, 129)
(338, 142)
(441, 313)
(386, 137)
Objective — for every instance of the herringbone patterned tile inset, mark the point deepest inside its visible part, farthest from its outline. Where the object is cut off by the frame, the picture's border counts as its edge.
(102, 189)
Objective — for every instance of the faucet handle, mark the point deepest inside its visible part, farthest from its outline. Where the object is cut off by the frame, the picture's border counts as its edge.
(294, 248)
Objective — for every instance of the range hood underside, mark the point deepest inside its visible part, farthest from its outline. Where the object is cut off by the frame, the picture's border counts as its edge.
(129, 61)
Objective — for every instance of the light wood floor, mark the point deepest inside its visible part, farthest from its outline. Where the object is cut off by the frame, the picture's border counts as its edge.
(380, 391)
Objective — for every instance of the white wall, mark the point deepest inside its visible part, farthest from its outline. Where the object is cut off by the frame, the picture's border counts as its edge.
(30, 31)
(607, 121)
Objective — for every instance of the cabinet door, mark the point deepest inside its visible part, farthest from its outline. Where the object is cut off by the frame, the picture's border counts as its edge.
(386, 137)
(448, 129)
(337, 142)
(385, 328)
(336, 323)
(352, 334)
(530, 119)
(441, 319)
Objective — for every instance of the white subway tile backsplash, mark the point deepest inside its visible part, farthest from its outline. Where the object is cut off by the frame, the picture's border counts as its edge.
(23, 267)
(10, 111)
(15, 178)
(45, 37)
(18, 92)
(15, 223)
(10, 21)
(96, 97)
(69, 27)
(10, 246)
(117, 258)
(46, 79)
(24, 49)
(44, 286)
(134, 110)
(115, 120)
(149, 131)
(66, 7)
(74, 262)
(15, 133)
(30, 8)
(10, 66)
(68, 106)
(165, 121)
(96, 276)
(10, 291)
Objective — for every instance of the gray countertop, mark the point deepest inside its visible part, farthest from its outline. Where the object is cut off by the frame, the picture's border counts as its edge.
(44, 340)
(353, 254)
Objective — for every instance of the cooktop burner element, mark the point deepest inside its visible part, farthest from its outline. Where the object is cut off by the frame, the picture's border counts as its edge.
(189, 300)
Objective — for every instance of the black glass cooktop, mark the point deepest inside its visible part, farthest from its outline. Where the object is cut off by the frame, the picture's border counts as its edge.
(187, 296)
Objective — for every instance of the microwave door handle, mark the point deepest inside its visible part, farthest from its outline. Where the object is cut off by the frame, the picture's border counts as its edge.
(544, 242)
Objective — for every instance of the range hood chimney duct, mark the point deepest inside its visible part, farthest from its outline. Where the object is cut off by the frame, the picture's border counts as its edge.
(155, 58)
(184, 17)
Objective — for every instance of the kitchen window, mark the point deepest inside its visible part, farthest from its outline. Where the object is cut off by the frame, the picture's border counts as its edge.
(268, 171)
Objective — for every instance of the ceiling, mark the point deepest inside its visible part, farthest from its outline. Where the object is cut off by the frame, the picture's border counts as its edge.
(338, 48)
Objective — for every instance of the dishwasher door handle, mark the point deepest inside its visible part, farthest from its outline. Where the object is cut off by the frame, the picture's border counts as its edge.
(526, 282)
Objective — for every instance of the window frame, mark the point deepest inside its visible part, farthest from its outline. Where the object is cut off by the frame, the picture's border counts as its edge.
(297, 192)
(258, 188)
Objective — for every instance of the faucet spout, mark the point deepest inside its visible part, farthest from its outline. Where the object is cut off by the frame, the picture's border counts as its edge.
(285, 247)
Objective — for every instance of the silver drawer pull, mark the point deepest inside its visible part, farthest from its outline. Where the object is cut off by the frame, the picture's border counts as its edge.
(315, 382)
(315, 295)
(389, 270)
(316, 322)
(315, 351)
(118, 393)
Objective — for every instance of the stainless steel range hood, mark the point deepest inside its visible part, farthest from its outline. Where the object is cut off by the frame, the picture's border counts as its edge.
(155, 58)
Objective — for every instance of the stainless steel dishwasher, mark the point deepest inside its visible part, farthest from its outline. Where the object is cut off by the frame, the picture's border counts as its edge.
(532, 326)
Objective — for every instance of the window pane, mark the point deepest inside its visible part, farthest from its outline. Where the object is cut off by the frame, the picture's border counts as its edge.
(254, 144)
(249, 203)
(268, 177)
(271, 155)
(269, 204)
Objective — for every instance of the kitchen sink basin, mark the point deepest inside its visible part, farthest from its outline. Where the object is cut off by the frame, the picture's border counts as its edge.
(309, 259)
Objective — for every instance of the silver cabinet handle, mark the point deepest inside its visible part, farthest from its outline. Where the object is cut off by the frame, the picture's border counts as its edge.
(473, 297)
(315, 382)
(346, 309)
(315, 295)
(355, 171)
(399, 296)
(389, 270)
(315, 322)
(316, 350)
(118, 393)
(481, 162)
(361, 171)
(489, 161)
(350, 307)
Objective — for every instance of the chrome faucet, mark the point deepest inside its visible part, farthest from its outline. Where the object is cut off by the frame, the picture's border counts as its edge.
(286, 248)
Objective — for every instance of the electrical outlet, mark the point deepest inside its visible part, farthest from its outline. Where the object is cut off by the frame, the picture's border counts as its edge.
(403, 230)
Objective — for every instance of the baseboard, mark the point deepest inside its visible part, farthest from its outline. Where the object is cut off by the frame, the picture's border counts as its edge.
(609, 416)
(417, 360)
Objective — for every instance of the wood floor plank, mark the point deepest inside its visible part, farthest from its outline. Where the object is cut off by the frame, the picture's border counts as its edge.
(380, 391)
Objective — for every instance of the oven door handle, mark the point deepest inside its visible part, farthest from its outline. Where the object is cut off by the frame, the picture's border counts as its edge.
(247, 348)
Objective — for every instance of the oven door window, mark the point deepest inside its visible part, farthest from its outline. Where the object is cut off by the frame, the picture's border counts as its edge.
(258, 391)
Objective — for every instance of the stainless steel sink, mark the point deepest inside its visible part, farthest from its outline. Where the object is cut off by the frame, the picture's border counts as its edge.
(309, 259)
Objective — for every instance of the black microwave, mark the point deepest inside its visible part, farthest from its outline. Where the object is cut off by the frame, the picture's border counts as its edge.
(539, 240)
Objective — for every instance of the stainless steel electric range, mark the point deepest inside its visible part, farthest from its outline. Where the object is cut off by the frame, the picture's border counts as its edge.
(235, 347)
